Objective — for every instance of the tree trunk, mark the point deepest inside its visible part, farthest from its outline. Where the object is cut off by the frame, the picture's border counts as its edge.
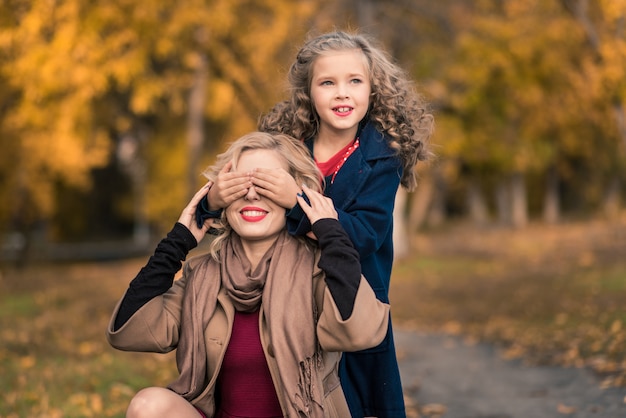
(503, 203)
(511, 201)
(365, 17)
(551, 201)
(401, 242)
(131, 158)
(195, 124)
(519, 201)
(141, 230)
(364, 13)
(612, 197)
(580, 10)
(421, 200)
(437, 212)
(477, 207)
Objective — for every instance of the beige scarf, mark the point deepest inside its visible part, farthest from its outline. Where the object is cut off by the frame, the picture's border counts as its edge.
(282, 285)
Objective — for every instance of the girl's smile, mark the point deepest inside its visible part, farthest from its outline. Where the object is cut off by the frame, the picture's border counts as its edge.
(343, 111)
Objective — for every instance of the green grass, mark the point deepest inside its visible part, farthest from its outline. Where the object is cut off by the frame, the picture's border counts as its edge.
(18, 305)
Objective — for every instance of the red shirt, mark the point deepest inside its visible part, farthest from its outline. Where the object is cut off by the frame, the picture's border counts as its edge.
(245, 385)
(332, 166)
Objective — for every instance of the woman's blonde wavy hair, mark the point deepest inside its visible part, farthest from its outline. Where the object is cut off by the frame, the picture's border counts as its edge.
(396, 109)
(294, 154)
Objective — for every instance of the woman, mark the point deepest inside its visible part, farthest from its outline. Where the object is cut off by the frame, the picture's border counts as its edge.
(259, 324)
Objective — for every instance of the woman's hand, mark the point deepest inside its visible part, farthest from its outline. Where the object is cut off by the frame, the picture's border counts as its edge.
(229, 186)
(320, 207)
(188, 216)
(277, 185)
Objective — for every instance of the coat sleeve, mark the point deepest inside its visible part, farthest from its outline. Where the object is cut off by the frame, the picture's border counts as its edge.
(351, 317)
(154, 327)
(157, 276)
(365, 328)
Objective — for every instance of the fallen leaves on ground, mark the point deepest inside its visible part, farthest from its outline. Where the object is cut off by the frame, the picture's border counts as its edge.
(54, 357)
(551, 295)
(547, 294)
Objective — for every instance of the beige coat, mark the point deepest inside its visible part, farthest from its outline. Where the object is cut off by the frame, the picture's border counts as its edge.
(155, 328)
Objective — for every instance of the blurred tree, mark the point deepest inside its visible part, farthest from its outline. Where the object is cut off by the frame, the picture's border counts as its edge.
(514, 84)
(84, 79)
(50, 135)
(529, 99)
(604, 24)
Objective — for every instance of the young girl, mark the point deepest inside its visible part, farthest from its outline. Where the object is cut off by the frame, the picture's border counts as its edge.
(366, 128)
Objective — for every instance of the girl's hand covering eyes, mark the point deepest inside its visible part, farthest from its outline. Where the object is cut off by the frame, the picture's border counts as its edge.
(229, 186)
(276, 184)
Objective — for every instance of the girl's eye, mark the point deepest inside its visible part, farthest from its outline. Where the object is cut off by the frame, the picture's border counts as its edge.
(326, 83)
(356, 81)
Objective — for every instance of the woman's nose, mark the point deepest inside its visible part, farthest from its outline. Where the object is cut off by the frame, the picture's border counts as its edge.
(251, 194)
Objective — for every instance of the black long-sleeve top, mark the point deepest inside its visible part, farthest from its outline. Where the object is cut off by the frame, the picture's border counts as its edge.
(339, 260)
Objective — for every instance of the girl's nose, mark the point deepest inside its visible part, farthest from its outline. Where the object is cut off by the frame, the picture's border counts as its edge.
(252, 194)
(342, 91)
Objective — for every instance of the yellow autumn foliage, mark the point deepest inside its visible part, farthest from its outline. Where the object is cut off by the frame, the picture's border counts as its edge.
(84, 72)
(520, 86)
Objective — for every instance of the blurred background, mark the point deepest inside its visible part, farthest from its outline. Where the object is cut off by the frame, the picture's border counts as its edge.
(109, 110)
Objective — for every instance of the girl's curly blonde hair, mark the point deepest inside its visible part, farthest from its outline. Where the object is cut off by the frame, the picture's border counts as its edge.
(396, 109)
(294, 154)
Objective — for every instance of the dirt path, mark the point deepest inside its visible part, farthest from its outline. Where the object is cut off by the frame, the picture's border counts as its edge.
(442, 373)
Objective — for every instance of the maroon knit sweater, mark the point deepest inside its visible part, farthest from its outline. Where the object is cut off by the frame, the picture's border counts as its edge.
(245, 387)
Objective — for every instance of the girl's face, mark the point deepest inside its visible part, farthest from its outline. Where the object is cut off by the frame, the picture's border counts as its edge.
(257, 219)
(340, 91)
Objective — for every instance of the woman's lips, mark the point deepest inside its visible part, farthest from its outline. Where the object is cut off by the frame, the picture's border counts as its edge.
(253, 214)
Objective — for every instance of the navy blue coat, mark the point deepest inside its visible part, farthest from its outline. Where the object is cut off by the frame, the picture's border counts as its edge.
(364, 193)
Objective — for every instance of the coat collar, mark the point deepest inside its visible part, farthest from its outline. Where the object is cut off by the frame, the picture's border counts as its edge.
(373, 143)
(352, 177)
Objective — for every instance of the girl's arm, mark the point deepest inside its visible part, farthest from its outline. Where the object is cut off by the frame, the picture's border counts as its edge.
(365, 210)
(340, 263)
(368, 216)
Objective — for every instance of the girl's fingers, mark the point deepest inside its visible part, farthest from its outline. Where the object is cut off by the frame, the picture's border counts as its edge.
(227, 167)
